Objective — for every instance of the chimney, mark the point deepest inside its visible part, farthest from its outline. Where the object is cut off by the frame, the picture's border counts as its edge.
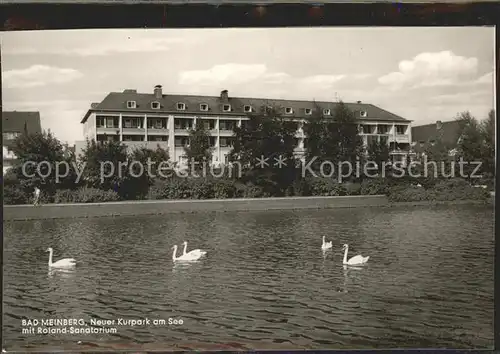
(439, 125)
(158, 92)
(224, 95)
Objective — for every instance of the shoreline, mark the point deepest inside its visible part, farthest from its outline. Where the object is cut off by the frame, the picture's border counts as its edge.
(163, 207)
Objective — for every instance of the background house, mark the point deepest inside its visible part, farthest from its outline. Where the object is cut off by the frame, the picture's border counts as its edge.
(14, 124)
(425, 135)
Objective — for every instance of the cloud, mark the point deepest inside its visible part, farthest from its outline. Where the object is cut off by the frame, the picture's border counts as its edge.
(116, 46)
(485, 79)
(431, 69)
(237, 74)
(39, 75)
(322, 80)
(227, 73)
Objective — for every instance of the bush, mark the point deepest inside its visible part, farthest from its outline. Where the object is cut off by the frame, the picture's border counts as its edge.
(325, 187)
(171, 188)
(252, 191)
(444, 190)
(375, 186)
(223, 189)
(353, 188)
(15, 195)
(85, 195)
(300, 188)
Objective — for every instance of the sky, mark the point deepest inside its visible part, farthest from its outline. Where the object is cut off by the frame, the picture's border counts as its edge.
(423, 74)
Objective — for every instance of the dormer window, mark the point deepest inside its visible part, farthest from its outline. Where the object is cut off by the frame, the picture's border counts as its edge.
(155, 105)
(131, 104)
(204, 107)
(181, 106)
(226, 108)
(326, 112)
(288, 110)
(362, 113)
(308, 111)
(247, 108)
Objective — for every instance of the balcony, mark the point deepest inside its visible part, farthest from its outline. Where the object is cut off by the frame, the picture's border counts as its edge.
(399, 138)
(133, 131)
(108, 130)
(153, 145)
(157, 131)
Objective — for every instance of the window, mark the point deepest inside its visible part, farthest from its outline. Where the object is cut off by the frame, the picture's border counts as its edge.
(326, 112)
(110, 123)
(208, 124)
(131, 104)
(204, 107)
(363, 113)
(181, 106)
(226, 108)
(383, 129)
(400, 129)
(130, 122)
(155, 105)
(247, 108)
(180, 123)
(225, 142)
(158, 124)
(99, 122)
(181, 141)
(308, 111)
(288, 110)
(226, 125)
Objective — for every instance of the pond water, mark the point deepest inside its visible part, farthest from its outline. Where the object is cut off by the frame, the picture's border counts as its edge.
(264, 283)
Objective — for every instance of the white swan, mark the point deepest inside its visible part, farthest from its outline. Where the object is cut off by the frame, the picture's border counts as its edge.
(193, 252)
(326, 245)
(356, 260)
(62, 263)
(185, 257)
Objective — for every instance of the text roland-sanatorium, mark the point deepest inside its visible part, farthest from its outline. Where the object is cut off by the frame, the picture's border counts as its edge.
(90, 326)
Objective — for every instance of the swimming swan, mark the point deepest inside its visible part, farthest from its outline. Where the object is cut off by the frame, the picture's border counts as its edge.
(185, 257)
(356, 260)
(193, 252)
(62, 263)
(326, 245)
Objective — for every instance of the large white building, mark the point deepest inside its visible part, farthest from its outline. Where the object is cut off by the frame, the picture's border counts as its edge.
(152, 119)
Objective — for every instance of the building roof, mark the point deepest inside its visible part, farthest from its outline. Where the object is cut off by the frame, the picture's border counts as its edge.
(20, 121)
(117, 101)
(449, 132)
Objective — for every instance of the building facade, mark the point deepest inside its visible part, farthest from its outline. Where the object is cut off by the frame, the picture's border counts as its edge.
(13, 125)
(152, 119)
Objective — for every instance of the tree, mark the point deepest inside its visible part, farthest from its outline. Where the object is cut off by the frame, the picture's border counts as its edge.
(144, 167)
(199, 151)
(41, 158)
(260, 144)
(470, 145)
(104, 164)
(378, 152)
(335, 140)
(488, 148)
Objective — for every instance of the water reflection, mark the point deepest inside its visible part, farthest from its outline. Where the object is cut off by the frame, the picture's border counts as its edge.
(61, 273)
